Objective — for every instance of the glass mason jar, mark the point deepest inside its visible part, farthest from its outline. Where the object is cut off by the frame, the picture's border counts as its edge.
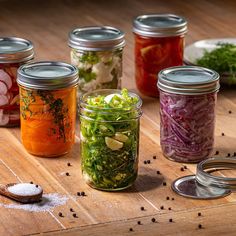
(97, 53)
(159, 43)
(14, 52)
(109, 136)
(187, 112)
(48, 107)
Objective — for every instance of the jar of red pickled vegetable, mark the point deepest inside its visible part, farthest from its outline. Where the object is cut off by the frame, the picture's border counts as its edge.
(159, 43)
(187, 112)
(48, 107)
(97, 53)
(13, 53)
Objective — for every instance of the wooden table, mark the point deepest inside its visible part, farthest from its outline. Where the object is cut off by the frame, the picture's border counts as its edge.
(47, 24)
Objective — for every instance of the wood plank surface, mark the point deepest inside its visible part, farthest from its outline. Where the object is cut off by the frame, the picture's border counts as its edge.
(46, 24)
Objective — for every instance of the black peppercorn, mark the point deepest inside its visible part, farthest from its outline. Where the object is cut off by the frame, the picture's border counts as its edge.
(75, 216)
(60, 214)
(200, 226)
(154, 157)
(234, 154)
(68, 164)
(142, 208)
(185, 167)
(145, 162)
(167, 198)
(172, 199)
(199, 214)
(162, 207)
(223, 134)
(83, 194)
(67, 174)
(71, 209)
(153, 220)
(148, 162)
(169, 208)
(217, 152)
(230, 111)
(182, 168)
(158, 172)
(164, 183)
(36, 186)
(139, 222)
(130, 229)
(228, 155)
(170, 220)
(31, 182)
(78, 194)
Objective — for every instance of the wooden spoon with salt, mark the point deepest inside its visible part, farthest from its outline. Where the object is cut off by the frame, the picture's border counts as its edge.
(22, 192)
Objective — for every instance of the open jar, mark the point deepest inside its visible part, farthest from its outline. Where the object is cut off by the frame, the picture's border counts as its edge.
(159, 43)
(97, 53)
(187, 112)
(109, 137)
(48, 107)
(14, 52)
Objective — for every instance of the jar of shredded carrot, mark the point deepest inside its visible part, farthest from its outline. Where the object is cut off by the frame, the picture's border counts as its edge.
(159, 42)
(14, 52)
(48, 107)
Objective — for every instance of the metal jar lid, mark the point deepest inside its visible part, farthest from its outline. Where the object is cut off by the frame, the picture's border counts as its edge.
(15, 50)
(47, 75)
(95, 38)
(159, 25)
(188, 80)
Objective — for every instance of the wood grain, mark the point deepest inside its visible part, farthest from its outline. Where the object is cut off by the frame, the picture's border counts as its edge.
(46, 24)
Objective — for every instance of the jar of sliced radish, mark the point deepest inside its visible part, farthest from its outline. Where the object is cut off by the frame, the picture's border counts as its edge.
(109, 133)
(97, 53)
(187, 112)
(14, 52)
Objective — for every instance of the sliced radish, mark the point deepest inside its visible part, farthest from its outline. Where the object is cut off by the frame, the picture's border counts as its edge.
(3, 100)
(15, 116)
(3, 88)
(5, 78)
(4, 118)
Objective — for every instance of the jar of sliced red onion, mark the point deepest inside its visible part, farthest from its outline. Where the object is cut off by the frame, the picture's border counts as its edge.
(14, 52)
(187, 112)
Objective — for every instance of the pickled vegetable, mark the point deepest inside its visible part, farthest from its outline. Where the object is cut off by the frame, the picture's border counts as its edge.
(110, 139)
(48, 120)
(187, 126)
(97, 70)
(9, 96)
(152, 54)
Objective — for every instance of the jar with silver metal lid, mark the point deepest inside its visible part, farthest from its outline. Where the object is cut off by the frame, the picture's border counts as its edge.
(187, 112)
(97, 53)
(48, 107)
(159, 43)
(14, 52)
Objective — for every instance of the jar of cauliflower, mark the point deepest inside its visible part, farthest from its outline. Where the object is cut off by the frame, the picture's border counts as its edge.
(97, 53)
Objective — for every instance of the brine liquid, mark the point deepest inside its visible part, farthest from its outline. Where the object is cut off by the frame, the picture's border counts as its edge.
(48, 121)
(153, 54)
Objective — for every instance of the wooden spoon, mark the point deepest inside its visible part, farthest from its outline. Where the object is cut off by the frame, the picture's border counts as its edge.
(21, 197)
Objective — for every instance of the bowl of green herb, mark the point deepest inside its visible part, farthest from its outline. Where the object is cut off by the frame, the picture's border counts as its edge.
(215, 54)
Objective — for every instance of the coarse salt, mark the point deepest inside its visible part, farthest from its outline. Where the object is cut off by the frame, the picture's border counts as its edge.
(25, 189)
(48, 203)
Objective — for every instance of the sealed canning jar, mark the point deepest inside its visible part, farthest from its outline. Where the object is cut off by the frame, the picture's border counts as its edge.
(159, 42)
(187, 112)
(97, 53)
(110, 138)
(13, 53)
(47, 107)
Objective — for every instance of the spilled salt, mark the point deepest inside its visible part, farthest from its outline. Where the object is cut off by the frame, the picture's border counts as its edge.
(25, 189)
(48, 202)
